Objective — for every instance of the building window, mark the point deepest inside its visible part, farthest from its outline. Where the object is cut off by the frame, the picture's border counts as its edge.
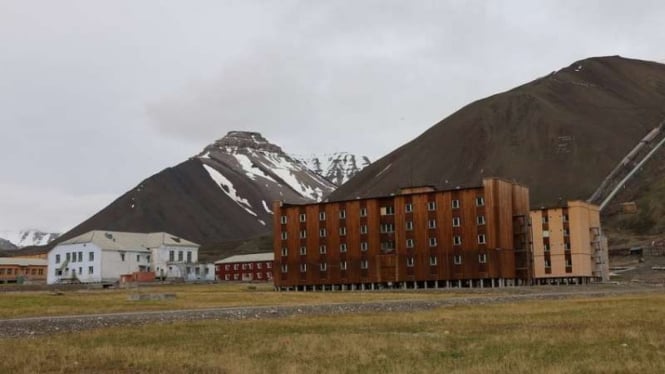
(285, 268)
(147, 258)
(283, 220)
(171, 256)
(409, 225)
(41, 271)
(322, 249)
(363, 229)
(342, 265)
(363, 212)
(433, 260)
(387, 228)
(342, 231)
(566, 246)
(432, 242)
(180, 256)
(250, 266)
(303, 251)
(57, 259)
(566, 232)
(303, 234)
(480, 220)
(138, 258)
(457, 222)
(259, 276)
(322, 233)
(409, 243)
(408, 208)
(122, 257)
(388, 246)
(227, 277)
(343, 247)
(481, 239)
(387, 210)
(236, 276)
(303, 268)
(548, 264)
(91, 256)
(546, 246)
(268, 265)
(363, 246)
(455, 204)
(431, 223)
(480, 201)
(285, 251)
(236, 266)
(189, 256)
(565, 218)
(482, 258)
(431, 205)
(68, 256)
(569, 262)
(80, 257)
(284, 236)
(323, 266)
(457, 260)
(546, 219)
(322, 216)
(457, 240)
(364, 264)
(410, 262)
(342, 214)
(546, 234)
(90, 269)
(303, 217)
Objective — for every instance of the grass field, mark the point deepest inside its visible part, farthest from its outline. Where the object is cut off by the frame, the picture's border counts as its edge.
(620, 334)
(43, 303)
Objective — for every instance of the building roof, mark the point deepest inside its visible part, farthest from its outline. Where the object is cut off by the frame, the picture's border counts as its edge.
(21, 261)
(254, 257)
(118, 240)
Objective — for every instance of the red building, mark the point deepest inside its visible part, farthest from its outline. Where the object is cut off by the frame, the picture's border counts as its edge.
(246, 268)
(415, 238)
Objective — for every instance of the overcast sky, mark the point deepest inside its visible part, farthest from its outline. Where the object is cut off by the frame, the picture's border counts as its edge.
(97, 95)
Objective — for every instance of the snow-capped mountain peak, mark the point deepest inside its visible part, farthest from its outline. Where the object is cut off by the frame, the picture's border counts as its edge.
(28, 237)
(337, 167)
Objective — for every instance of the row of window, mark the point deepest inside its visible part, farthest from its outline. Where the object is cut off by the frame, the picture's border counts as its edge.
(410, 243)
(13, 271)
(384, 228)
(548, 263)
(364, 264)
(546, 233)
(386, 210)
(180, 256)
(58, 272)
(546, 219)
(75, 257)
(248, 266)
(258, 276)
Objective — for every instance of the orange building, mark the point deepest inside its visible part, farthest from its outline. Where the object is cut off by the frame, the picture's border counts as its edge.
(416, 238)
(568, 245)
(19, 270)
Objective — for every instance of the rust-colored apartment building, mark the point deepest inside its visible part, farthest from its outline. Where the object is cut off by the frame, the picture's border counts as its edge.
(568, 245)
(416, 238)
(20, 269)
(255, 267)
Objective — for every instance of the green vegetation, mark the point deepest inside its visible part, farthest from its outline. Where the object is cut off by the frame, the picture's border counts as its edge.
(615, 334)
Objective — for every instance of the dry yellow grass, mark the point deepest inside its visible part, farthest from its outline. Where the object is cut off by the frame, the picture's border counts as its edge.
(609, 335)
(40, 303)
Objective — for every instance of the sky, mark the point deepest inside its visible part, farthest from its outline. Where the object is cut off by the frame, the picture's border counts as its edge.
(96, 96)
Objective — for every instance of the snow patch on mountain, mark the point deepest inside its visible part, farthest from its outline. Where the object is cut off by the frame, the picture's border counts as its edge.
(336, 167)
(228, 189)
(28, 237)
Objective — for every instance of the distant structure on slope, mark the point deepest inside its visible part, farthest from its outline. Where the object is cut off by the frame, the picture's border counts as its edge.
(336, 167)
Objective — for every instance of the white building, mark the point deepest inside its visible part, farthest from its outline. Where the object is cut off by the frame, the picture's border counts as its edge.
(103, 256)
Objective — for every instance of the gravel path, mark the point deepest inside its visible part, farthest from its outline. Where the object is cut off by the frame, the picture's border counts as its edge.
(36, 326)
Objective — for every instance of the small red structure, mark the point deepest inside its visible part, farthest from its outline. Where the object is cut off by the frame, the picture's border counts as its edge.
(138, 276)
(246, 268)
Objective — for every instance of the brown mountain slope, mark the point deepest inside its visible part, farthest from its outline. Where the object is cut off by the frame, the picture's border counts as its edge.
(560, 134)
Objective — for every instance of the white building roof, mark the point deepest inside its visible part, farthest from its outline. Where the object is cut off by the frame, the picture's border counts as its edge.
(118, 240)
(254, 257)
(22, 261)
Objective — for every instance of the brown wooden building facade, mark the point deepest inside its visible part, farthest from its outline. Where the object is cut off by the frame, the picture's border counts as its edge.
(417, 238)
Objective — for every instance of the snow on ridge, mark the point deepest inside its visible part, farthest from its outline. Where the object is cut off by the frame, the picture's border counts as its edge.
(28, 237)
(265, 206)
(250, 169)
(228, 189)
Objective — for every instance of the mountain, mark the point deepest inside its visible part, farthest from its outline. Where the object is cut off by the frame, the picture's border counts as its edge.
(7, 245)
(225, 193)
(336, 167)
(27, 238)
(561, 135)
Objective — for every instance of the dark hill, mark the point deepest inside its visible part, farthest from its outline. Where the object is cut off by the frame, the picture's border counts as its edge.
(560, 134)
